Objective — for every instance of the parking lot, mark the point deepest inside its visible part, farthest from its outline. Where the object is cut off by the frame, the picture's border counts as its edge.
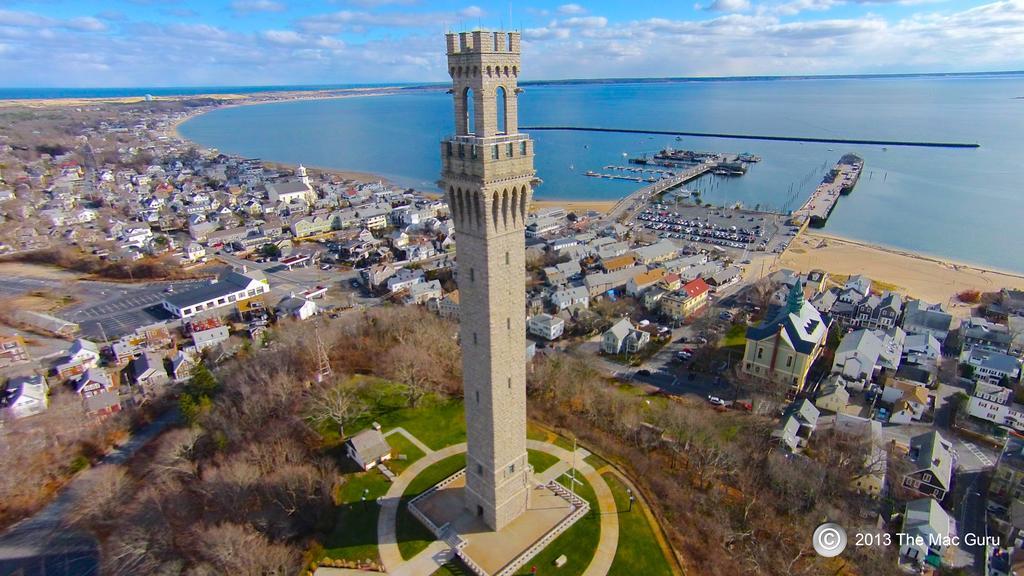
(119, 310)
(726, 228)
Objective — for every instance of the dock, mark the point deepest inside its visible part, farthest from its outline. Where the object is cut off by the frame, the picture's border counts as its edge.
(632, 201)
(838, 182)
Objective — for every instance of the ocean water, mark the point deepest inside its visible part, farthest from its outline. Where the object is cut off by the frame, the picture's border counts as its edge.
(964, 204)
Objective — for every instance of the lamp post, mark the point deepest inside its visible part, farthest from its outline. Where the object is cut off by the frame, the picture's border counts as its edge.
(629, 492)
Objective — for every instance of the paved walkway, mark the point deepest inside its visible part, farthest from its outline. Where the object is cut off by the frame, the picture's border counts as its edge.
(387, 542)
(416, 441)
(438, 553)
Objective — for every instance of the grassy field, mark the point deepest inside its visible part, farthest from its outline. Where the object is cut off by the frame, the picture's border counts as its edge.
(638, 551)
(412, 536)
(540, 461)
(578, 543)
(355, 532)
(436, 421)
(401, 446)
(735, 337)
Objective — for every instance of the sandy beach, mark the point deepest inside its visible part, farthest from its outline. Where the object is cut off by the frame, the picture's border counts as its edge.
(932, 279)
(578, 206)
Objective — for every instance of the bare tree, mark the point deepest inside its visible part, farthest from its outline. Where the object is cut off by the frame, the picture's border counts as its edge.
(339, 405)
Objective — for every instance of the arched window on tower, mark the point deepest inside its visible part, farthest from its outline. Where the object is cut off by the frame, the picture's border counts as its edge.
(500, 97)
(468, 105)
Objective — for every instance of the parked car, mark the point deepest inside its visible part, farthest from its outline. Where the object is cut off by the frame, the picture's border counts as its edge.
(716, 401)
(643, 372)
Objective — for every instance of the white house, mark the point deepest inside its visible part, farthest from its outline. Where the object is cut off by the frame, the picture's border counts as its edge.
(546, 326)
(24, 396)
(296, 307)
(926, 530)
(991, 366)
(569, 297)
(622, 337)
(82, 355)
(290, 191)
(994, 403)
(368, 449)
(423, 292)
(404, 279)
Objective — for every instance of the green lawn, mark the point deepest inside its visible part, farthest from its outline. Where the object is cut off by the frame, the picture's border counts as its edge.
(596, 461)
(401, 446)
(638, 551)
(735, 337)
(540, 461)
(578, 543)
(412, 536)
(453, 568)
(437, 422)
(355, 531)
(535, 432)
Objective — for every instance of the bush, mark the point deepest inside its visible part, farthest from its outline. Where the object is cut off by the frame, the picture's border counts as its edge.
(969, 296)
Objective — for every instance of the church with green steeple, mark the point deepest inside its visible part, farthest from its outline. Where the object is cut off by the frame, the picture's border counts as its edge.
(783, 347)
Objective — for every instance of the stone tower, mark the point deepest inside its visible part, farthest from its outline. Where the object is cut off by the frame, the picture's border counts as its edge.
(487, 173)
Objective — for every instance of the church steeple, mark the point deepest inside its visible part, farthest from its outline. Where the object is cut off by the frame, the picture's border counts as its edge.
(795, 300)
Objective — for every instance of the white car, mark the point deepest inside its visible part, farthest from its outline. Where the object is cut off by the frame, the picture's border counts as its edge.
(716, 401)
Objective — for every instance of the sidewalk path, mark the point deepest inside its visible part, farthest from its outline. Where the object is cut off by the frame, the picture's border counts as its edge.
(387, 542)
(416, 441)
(438, 553)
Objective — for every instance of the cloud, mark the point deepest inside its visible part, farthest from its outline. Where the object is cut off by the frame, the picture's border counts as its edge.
(283, 37)
(86, 23)
(571, 9)
(726, 6)
(361, 20)
(585, 22)
(405, 45)
(250, 6)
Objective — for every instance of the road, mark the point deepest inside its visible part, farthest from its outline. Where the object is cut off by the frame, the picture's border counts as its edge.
(43, 544)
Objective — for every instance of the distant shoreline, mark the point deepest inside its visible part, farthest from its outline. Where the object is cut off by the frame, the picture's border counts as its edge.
(137, 93)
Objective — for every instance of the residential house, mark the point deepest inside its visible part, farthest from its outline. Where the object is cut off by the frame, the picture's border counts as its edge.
(148, 371)
(377, 275)
(871, 479)
(686, 302)
(921, 349)
(600, 283)
(423, 292)
(562, 273)
(546, 326)
(832, 395)
(993, 367)
(640, 283)
(24, 396)
(996, 404)
(931, 460)
(798, 423)
(783, 346)
(926, 532)
(920, 317)
(296, 307)
(182, 364)
(13, 351)
(623, 338)
(405, 278)
(618, 263)
(447, 307)
(909, 401)
(980, 333)
(724, 277)
(208, 333)
(312, 225)
(99, 395)
(570, 297)
(82, 355)
(661, 251)
(368, 448)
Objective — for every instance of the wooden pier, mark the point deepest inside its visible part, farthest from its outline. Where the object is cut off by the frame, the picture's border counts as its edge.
(631, 202)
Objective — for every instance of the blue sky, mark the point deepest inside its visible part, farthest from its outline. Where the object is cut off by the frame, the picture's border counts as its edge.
(83, 43)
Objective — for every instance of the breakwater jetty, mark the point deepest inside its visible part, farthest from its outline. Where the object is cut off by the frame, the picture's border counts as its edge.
(924, 144)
